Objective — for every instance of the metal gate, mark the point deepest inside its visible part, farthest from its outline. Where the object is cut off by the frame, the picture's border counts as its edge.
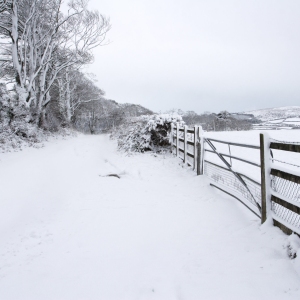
(219, 167)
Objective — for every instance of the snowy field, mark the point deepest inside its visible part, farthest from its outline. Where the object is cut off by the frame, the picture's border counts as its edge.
(158, 232)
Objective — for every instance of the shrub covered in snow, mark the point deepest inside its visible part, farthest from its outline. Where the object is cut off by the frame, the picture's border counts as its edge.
(146, 133)
(16, 130)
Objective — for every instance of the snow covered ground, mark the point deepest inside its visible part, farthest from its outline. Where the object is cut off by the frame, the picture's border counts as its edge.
(158, 232)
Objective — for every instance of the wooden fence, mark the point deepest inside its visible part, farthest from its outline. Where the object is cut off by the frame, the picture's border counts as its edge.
(275, 195)
(280, 187)
(188, 137)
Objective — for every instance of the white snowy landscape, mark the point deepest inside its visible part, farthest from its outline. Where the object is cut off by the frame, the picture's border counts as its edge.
(100, 148)
(68, 231)
(285, 117)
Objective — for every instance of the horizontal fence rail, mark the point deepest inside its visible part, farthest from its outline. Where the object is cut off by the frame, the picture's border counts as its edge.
(285, 147)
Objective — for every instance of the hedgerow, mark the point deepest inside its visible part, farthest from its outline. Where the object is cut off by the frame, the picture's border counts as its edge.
(146, 133)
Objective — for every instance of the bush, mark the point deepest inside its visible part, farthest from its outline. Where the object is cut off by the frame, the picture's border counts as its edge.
(16, 129)
(146, 133)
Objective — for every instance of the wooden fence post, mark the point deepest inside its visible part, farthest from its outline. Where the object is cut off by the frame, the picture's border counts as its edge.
(265, 176)
(172, 137)
(201, 142)
(185, 144)
(198, 156)
(195, 148)
(200, 151)
(177, 139)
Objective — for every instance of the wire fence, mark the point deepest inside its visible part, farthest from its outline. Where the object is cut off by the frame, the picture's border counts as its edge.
(286, 188)
(286, 215)
(230, 182)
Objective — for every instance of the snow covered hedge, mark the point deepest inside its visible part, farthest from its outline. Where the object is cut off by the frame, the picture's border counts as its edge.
(146, 133)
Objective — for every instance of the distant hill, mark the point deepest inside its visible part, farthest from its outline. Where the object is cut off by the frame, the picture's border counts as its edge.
(286, 117)
(101, 115)
(130, 110)
(135, 110)
(269, 114)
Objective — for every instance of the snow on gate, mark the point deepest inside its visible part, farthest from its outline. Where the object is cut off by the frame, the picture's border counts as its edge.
(255, 178)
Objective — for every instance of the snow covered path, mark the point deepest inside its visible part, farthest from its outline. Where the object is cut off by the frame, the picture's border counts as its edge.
(159, 232)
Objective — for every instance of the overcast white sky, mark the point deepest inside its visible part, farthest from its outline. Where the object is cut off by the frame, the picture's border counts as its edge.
(201, 55)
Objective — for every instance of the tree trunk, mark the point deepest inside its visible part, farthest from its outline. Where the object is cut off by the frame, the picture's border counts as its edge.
(68, 97)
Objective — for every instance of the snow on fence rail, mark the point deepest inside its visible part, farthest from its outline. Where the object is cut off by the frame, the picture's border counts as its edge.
(281, 188)
(274, 192)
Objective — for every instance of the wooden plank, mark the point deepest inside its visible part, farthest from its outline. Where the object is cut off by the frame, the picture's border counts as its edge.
(202, 146)
(195, 148)
(177, 139)
(181, 140)
(198, 146)
(286, 204)
(198, 158)
(181, 129)
(172, 136)
(285, 229)
(190, 154)
(185, 143)
(284, 175)
(190, 130)
(285, 147)
(234, 144)
(263, 180)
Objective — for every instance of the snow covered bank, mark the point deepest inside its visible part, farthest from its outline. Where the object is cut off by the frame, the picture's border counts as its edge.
(158, 232)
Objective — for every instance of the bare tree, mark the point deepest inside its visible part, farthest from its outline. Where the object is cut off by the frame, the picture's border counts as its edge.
(44, 42)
